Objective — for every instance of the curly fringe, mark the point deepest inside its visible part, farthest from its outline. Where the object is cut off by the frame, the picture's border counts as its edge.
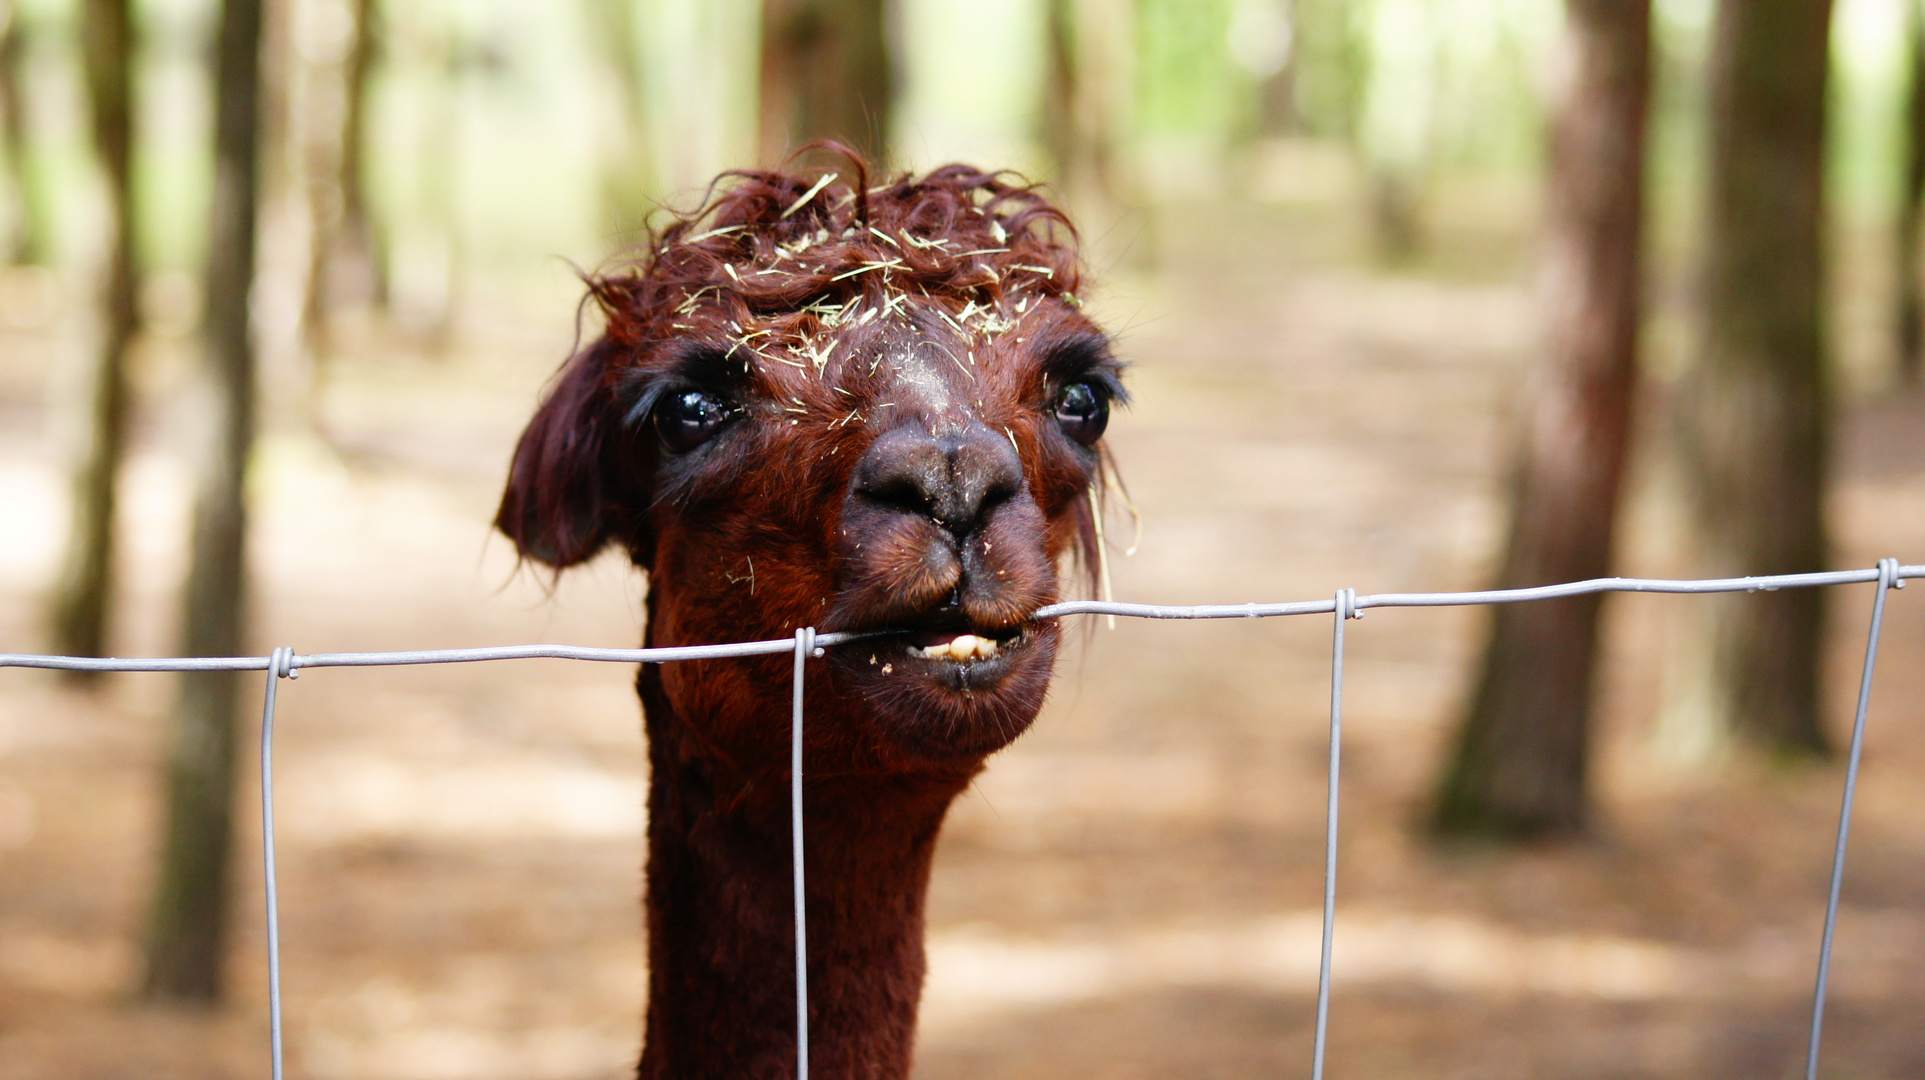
(765, 244)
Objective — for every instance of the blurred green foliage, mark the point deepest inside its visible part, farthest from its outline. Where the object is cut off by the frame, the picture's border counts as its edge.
(495, 120)
(1186, 81)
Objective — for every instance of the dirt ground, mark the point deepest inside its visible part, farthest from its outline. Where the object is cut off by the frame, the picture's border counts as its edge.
(1131, 891)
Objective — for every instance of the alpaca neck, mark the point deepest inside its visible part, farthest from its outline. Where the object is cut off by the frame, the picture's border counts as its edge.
(720, 915)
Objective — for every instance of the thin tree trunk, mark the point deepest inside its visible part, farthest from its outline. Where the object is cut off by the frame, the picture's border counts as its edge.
(1060, 135)
(1277, 112)
(1756, 406)
(443, 177)
(1520, 766)
(344, 257)
(188, 918)
(1396, 124)
(627, 178)
(1911, 210)
(826, 74)
(1085, 64)
(320, 167)
(84, 592)
(30, 243)
(1077, 124)
(361, 230)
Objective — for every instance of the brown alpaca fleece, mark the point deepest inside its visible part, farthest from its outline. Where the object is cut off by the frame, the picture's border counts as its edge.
(817, 403)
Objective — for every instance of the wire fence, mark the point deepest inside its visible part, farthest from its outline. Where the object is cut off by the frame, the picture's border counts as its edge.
(807, 644)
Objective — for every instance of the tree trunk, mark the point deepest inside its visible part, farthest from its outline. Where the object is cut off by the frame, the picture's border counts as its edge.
(188, 919)
(826, 74)
(30, 243)
(85, 589)
(1521, 755)
(1911, 210)
(362, 237)
(345, 261)
(627, 179)
(1755, 408)
(1395, 129)
(1060, 132)
(1077, 117)
(1277, 112)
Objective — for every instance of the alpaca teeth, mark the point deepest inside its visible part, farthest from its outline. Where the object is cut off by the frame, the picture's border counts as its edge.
(960, 647)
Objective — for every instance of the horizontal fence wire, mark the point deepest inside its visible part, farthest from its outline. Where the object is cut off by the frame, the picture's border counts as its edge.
(1344, 605)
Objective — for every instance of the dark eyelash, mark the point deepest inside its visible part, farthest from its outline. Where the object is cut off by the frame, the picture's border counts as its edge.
(698, 367)
(1086, 359)
(1107, 381)
(644, 403)
(1105, 375)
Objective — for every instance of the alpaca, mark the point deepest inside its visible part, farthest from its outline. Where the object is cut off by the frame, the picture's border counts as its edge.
(817, 403)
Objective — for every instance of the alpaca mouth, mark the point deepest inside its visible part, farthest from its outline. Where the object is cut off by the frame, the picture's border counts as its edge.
(947, 652)
(948, 686)
(960, 647)
(961, 658)
(973, 663)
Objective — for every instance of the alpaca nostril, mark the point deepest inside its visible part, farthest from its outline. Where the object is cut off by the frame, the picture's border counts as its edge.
(955, 480)
(901, 491)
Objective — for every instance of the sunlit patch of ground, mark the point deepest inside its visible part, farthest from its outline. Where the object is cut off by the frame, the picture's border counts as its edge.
(1132, 890)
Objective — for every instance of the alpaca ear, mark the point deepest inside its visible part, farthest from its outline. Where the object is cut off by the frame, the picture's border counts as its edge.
(569, 492)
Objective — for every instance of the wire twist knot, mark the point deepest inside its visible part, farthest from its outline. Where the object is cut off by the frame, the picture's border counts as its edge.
(1347, 604)
(1888, 574)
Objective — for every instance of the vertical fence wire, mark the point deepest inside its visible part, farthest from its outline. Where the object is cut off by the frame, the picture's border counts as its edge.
(1887, 579)
(1345, 610)
(280, 665)
(804, 645)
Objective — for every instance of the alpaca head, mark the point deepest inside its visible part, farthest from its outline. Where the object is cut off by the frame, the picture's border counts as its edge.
(821, 404)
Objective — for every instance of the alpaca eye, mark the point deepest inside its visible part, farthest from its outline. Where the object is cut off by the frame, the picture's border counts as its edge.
(687, 419)
(1083, 411)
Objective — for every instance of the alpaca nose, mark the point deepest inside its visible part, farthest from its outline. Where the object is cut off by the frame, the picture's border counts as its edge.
(954, 479)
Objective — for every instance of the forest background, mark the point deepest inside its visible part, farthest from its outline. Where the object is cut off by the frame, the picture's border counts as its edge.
(1323, 229)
